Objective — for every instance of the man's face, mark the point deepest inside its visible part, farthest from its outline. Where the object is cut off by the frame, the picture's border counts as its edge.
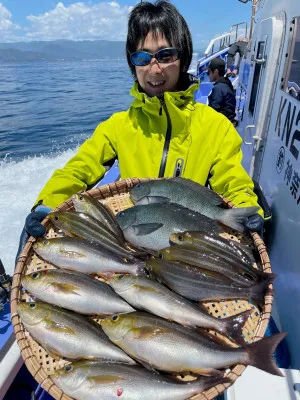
(156, 78)
(213, 75)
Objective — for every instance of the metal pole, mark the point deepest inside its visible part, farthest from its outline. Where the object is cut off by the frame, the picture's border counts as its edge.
(254, 4)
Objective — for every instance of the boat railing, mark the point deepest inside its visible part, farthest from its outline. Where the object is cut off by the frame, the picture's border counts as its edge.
(225, 40)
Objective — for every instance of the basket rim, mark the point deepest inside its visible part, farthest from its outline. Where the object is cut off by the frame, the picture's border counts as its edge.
(30, 359)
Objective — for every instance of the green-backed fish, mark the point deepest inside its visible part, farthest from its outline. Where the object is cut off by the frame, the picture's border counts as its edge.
(74, 291)
(192, 195)
(85, 203)
(198, 284)
(145, 294)
(241, 273)
(150, 226)
(66, 334)
(171, 347)
(94, 380)
(86, 257)
(86, 227)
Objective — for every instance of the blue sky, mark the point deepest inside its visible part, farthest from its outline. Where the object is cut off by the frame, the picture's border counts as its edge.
(78, 20)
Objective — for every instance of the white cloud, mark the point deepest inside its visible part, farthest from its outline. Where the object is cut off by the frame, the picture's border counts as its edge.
(7, 27)
(106, 20)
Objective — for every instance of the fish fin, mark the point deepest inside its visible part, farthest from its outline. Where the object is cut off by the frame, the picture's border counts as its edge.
(145, 229)
(259, 290)
(209, 194)
(155, 199)
(236, 217)
(65, 288)
(147, 365)
(233, 326)
(208, 372)
(261, 353)
(147, 332)
(58, 328)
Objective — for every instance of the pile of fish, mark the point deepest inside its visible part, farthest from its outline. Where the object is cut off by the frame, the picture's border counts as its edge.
(157, 260)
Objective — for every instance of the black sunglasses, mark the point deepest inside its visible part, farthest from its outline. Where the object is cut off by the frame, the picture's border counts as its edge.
(163, 56)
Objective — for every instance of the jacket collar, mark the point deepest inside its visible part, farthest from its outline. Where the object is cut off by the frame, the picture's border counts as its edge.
(180, 99)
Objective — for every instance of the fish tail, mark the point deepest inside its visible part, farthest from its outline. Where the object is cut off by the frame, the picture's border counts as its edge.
(265, 275)
(258, 291)
(261, 353)
(205, 382)
(233, 326)
(236, 217)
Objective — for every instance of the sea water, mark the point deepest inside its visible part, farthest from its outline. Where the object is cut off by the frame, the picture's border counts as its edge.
(47, 109)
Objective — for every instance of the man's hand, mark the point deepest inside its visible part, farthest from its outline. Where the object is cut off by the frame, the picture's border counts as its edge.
(255, 223)
(33, 226)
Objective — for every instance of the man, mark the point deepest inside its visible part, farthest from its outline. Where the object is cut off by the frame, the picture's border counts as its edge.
(238, 47)
(222, 96)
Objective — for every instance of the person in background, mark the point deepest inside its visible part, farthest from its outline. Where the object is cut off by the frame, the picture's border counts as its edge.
(164, 133)
(239, 47)
(222, 97)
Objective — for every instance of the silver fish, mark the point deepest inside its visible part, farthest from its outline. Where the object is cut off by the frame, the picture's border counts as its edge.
(86, 227)
(88, 204)
(190, 194)
(168, 346)
(198, 284)
(241, 273)
(150, 226)
(86, 380)
(145, 294)
(67, 334)
(230, 249)
(74, 291)
(82, 256)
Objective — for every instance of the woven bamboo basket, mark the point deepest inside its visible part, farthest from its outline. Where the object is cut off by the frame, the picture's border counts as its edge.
(116, 197)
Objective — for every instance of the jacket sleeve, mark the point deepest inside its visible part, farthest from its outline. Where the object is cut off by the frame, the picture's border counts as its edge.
(228, 176)
(84, 169)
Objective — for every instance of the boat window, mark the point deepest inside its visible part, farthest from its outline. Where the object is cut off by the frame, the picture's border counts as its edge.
(257, 70)
(292, 82)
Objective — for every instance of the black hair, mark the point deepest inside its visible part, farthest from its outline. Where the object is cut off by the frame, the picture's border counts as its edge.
(160, 17)
(221, 70)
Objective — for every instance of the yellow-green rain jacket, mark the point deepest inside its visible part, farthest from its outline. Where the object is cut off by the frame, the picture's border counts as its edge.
(204, 145)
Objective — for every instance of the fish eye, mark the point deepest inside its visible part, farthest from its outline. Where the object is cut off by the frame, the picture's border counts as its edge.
(160, 255)
(32, 305)
(35, 275)
(80, 197)
(121, 214)
(180, 238)
(115, 317)
(121, 276)
(56, 218)
(68, 368)
(45, 241)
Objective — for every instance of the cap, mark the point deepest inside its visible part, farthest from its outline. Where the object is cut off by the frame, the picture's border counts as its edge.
(216, 63)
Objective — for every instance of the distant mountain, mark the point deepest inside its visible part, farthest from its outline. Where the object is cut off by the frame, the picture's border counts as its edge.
(61, 50)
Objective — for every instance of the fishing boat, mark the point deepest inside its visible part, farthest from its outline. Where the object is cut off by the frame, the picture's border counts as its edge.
(268, 116)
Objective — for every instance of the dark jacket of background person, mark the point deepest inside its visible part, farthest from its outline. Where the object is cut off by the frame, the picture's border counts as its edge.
(237, 47)
(222, 98)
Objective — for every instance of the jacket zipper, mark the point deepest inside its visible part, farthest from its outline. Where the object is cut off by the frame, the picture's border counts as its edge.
(178, 167)
(168, 136)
